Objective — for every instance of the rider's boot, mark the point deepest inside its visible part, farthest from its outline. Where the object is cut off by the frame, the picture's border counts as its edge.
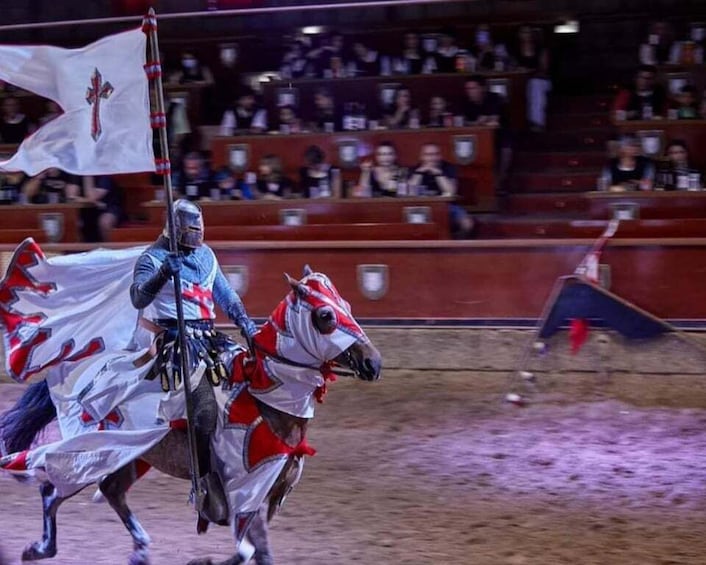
(212, 504)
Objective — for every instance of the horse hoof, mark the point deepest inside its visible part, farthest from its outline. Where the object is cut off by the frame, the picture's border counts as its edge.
(36, 551)
(139, 557)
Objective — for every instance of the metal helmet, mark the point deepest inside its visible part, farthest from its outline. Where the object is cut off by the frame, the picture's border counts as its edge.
(188, 222)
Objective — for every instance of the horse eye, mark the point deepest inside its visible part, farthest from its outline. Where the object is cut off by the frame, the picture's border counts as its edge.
(324, 320)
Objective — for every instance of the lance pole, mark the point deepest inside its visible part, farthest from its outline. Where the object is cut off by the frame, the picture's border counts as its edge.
(163, 167)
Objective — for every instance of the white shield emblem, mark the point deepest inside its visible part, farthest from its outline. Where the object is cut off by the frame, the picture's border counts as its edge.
(287, 97)
(53, 226)
(238, 278)
(238, 157)
(373, 281)
(465, 148)
(348, 153)
(416, 214)
(499, 86)
(292, 216)
(651, 142)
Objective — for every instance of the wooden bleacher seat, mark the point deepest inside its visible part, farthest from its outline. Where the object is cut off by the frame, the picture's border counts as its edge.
(16, 236)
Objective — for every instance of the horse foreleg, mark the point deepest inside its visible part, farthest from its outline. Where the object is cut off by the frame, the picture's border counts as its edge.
(114, 488)
(50, 504)
(258, 534)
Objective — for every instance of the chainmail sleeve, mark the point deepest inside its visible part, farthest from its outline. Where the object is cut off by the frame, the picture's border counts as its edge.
(148, 280)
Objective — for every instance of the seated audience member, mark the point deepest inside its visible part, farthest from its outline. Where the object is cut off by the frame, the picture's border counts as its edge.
(52, 186)
(529, 54)
(295, 63)
(687, 107)
(677, 172)
(446, 53)
(483, 107)
(384, 177)
(688, 52)
(14, 125)
(330, 57)
(436, 177)
(365, 62)
(194, 180)
(226, 82)
(401, 114)
(228, 187)
(629, 170)
(439, 116)
(412, 61)
(11, 187)
(318, 178)
(644, 100)
(487, 55)
(326, 117)
(105, 210)
(271, 183)
(245, 116)
(287, 120)
(656, 50)
(192, 71)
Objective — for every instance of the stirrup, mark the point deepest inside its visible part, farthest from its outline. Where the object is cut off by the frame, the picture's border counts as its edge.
(211, 502)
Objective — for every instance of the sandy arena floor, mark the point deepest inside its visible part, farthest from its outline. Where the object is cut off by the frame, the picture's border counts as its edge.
(432, 468)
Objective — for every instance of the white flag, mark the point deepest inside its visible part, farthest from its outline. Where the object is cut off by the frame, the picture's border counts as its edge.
(103, 91)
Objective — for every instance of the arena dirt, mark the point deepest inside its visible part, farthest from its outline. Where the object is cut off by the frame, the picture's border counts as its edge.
(432, 467)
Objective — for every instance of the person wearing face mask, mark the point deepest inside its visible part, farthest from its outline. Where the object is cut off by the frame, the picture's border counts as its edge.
(227, 81)
(192, 72)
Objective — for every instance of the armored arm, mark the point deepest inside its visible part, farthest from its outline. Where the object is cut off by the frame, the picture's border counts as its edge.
(148, 279)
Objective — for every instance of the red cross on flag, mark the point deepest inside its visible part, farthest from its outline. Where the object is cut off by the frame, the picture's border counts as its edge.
(103, 91)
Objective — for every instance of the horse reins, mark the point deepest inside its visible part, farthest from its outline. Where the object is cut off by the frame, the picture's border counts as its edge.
(325, 366)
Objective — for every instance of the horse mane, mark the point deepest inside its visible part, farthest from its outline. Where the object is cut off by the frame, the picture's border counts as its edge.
(22, 423)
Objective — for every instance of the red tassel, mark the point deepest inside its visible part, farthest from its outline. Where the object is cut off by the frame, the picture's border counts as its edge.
(578, 333)
(303, 449)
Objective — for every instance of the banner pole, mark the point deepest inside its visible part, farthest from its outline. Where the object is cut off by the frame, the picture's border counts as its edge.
(163, 164)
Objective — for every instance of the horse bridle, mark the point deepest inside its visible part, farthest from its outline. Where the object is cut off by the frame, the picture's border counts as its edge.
(326, 366)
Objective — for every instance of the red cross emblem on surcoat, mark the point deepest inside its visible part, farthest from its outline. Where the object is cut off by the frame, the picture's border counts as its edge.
(203, 297)
(94, 93)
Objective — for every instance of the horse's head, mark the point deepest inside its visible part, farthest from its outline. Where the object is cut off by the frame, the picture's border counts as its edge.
(313, 325)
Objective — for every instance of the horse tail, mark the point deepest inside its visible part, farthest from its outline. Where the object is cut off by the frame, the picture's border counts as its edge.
(21, 424)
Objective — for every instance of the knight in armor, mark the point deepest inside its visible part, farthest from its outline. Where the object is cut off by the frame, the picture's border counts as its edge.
(203, 285)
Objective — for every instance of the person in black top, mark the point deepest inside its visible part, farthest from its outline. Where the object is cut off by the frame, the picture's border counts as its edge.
(436, 177)
(104, 210)
(318, 178)
(194, 180)
(439, 115)
(529, 54)
(446, 53)
(271, 182)
(11, 187)
(245, 116)
(365, 61)
(677, 172)
(412, 61)
(644, 100)
(629, 170)
(52, 186)
(192, 71)
(400, 114)
(385, 177)
(326, 117)
(14, 126)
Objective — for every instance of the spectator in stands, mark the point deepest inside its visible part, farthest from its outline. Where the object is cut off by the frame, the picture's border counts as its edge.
(384, 177)
(245, 116)
(179, 133)
(446, 53)
(228, 187)
(412, 61)
(677, 172)
(103, 210)
(329, 61)
(14, 126)
(366, 61)
(192, 71)
(326, 117)
(644, 101)
(487, 55)
(530, 55)
(226, 77)
(658, 47)
(51, 110)
(628, 170)
(691, 51)
(271, 183)
(11, 187)
(194, 180)
(401, 114)
(318, 178)
(295, 63)
(439, 115)
(483, 107)
(687, 107)
(52, 186)
(288, 121)
(436, 177)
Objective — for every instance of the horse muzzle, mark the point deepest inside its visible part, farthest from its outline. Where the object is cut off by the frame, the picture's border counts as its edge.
(364, 360)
